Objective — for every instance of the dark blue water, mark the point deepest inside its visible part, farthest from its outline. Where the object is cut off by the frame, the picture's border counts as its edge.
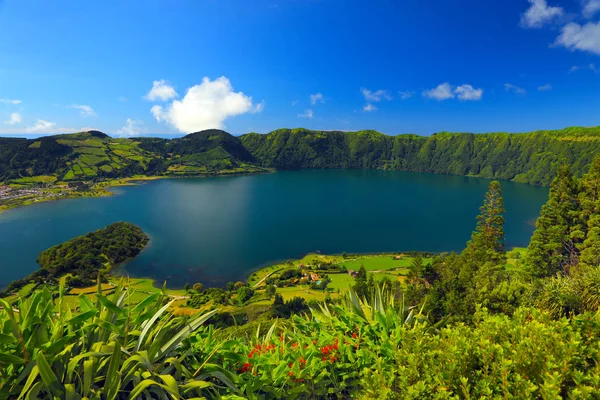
(213, 230)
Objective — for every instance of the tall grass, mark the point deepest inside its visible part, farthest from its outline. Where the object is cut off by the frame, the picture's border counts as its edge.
(107, 350)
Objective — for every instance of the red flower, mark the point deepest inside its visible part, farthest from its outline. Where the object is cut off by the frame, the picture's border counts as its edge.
(302, 361)
(247, 367)
(354, 335)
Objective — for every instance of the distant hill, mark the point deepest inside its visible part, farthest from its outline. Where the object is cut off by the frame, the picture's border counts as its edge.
(528, 157)
(93, 154)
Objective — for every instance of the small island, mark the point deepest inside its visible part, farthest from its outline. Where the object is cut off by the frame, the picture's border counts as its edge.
(84, 259)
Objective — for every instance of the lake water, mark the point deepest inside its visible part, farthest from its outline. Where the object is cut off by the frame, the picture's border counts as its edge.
(213, 230)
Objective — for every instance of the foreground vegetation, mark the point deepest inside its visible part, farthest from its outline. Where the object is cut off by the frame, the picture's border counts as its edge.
(372, 348)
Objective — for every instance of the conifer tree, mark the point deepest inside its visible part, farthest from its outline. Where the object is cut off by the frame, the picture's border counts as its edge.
(487, 240)
(553, 246)
(590, 204)
(361, 287)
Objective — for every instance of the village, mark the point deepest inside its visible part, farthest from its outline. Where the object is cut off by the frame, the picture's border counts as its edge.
(20, 195)
(8, 193)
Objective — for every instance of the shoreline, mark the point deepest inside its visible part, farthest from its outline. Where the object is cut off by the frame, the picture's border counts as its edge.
(102, 188)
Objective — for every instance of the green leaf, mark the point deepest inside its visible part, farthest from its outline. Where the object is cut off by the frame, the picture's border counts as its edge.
(113, 379)
(30, 381)
(11, 359)
(50, 380)
(88, 375)
(143, 385)
(34, 393)
(7, 339)
(112, 307)
(184, 333)
(82, 317)
(148, 324)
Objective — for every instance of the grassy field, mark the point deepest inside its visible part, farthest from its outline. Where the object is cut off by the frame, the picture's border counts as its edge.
(380, 266)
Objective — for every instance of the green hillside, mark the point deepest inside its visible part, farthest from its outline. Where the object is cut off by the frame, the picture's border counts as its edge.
(95, 155)
(528, 158)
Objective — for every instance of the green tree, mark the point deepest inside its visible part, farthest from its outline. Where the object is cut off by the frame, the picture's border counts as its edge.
(270, 291)
(244, 293)
(487, 240)
(198, 287)
(186, 287)
(415, 271)
(590, 204)
(361, 287)
(554, 247)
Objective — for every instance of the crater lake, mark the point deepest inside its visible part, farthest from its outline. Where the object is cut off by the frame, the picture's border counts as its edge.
(213, 230)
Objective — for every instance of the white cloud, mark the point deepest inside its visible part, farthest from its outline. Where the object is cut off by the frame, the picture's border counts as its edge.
(317, 97)
(468, 92)
(161, 90)
(580, 37)
(206, 106)
(539, 13)
(42, 126)
(509, 87)
(131, 128)
(84, 110)
(88, 128)
(306, 114)
(122, 98)
(378, 95)
(406, 95)
(590, 8)
(446, 91)
(545, 88)
(15, 118)
(591, 67)
(294, 102)
(369, 108)
(443, 91)
(10, 101)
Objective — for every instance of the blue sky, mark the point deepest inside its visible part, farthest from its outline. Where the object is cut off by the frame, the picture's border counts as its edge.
(172, 67)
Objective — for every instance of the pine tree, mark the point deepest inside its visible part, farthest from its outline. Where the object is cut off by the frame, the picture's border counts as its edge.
(415, 271)
(361, 287)
(487, 240)
(590, 205)
(553, 246)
